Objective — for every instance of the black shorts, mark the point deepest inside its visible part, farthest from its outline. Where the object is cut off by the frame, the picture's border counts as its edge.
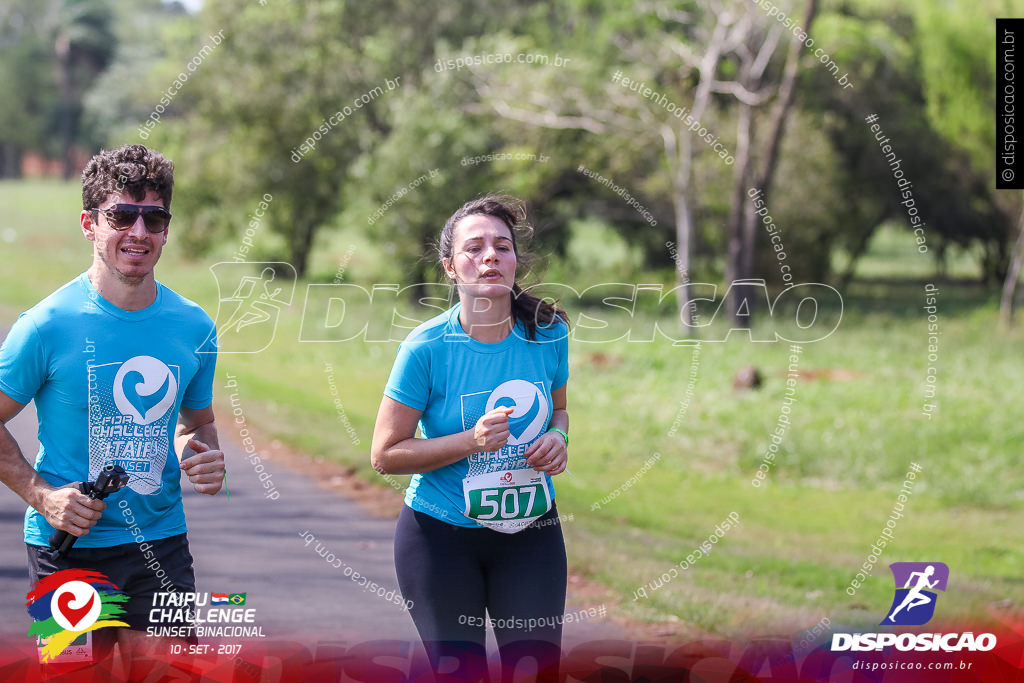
(138, 576)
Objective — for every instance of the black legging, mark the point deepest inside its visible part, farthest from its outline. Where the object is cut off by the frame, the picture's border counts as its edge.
(453, 574)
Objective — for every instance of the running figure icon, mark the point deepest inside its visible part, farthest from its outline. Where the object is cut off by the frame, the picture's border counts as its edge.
(915, 597)
(253, 304)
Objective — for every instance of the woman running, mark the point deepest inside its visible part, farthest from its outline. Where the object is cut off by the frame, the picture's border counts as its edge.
(485, 382)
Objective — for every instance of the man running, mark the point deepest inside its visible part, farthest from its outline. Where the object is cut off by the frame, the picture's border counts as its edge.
(114, 360)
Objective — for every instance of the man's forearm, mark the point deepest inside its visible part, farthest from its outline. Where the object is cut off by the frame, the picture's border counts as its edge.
(17, 474)
(207, 433)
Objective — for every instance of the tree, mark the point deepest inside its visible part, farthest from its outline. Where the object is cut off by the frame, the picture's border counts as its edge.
(298, 108)
(953, 199)
(753, 87)
(24, 70)
(958, 79)
(83, 45)
(680, 56)
(53, 52)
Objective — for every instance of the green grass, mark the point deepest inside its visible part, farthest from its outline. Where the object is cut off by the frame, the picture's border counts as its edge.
(803, 534)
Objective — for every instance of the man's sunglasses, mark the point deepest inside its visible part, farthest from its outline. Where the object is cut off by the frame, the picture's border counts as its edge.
(123, 216)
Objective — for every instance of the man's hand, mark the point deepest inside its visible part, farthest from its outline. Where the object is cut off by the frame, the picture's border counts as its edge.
(205, 468)
(68, 509)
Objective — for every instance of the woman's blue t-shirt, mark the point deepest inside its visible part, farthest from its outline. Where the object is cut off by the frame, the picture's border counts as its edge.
(454, 379)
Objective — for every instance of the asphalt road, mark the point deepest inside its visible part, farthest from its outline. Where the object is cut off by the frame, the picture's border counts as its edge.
(252, 544)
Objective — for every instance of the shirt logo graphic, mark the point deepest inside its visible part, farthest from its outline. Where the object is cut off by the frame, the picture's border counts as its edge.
(131, 405)
(144, 388)
(530, 409)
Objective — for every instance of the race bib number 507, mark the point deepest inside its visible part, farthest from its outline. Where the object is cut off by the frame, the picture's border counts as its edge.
(506, 501)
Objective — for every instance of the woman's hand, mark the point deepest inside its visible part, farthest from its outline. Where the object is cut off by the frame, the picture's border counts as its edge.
(491, 430)
(548, 453)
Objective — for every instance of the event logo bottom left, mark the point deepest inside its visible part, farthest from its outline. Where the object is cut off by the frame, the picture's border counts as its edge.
(67, 606)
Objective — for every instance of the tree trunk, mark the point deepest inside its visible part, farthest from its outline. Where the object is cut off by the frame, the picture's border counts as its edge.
(740, 316)
(858, 250)
(302, 245)
(684, 257)
(1012, 274)
(10, 160)
(679, 155)
(746, 231)
(65, 108)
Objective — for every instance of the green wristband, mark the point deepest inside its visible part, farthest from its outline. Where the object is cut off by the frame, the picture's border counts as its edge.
(556, 429)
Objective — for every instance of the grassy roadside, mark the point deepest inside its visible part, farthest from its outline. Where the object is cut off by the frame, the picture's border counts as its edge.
(856, 426)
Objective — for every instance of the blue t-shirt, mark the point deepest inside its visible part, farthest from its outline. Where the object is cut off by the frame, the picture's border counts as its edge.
(454, 379)
(108, 384)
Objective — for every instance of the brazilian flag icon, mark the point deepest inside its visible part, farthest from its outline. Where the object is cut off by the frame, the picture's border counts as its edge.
(237, 598)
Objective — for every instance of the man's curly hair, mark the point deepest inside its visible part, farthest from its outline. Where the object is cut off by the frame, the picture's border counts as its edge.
(129, 170)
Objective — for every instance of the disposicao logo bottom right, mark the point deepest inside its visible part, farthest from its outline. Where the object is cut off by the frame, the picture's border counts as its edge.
(913, 604)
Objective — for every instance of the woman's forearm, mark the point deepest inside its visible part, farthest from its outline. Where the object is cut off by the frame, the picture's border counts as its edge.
(414, 456)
